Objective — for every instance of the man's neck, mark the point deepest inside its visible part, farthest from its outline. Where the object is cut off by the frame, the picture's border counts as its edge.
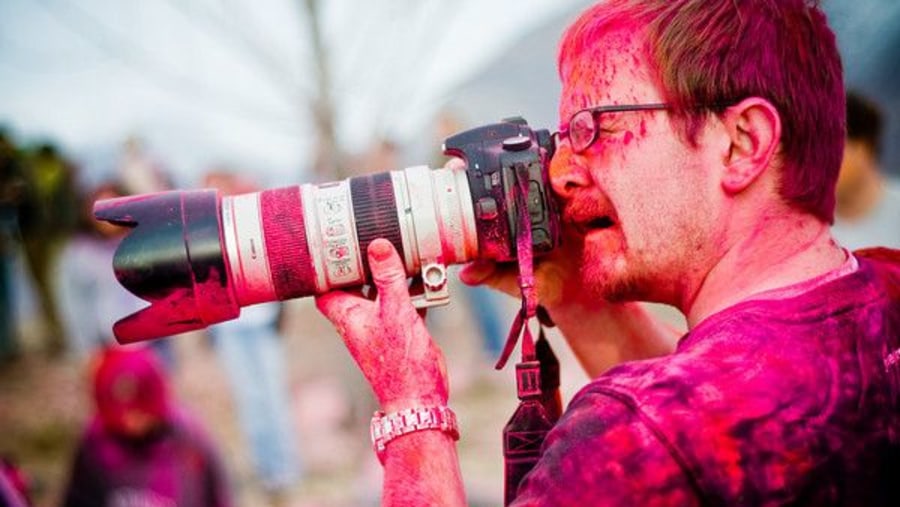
(782, 250)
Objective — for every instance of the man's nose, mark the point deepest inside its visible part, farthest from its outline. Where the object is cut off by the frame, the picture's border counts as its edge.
(567, 173)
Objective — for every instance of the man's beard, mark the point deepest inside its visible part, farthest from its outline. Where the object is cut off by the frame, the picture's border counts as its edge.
(612, 286)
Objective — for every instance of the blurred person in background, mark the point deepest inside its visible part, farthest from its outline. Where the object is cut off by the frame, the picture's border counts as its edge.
(868, 201)
(140, 447)
(90, 297)
(12, 185)
(139, 171)
(381, 156)
(47, 217)
(252, 353)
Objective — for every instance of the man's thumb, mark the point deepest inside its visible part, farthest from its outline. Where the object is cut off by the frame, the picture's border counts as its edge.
(388, 273)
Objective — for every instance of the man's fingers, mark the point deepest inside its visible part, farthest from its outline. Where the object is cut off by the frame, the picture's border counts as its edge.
(477, 272)
(502, 277)
(345, 311)
(505, 278)
(455, 163)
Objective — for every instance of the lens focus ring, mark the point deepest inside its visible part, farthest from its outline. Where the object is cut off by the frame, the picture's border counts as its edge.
(375, 212)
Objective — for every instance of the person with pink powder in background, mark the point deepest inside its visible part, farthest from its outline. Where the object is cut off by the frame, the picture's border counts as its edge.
(141, 448)
(698, 150)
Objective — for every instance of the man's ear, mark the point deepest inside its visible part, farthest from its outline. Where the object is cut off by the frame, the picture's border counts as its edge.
(754, 127)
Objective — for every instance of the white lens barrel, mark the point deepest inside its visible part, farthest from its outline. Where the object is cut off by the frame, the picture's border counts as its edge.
(331, 233)
(434, 227)
(456, 215)
(245, 247)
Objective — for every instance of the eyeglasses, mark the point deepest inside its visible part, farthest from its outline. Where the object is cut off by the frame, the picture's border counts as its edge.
(583, 126)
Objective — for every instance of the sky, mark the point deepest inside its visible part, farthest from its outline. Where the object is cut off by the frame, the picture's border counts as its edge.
(207, 82)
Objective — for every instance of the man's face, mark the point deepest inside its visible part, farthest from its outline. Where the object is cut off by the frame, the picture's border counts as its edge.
(639, 201)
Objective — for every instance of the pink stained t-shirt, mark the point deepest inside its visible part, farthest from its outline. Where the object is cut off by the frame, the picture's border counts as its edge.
(789, 398)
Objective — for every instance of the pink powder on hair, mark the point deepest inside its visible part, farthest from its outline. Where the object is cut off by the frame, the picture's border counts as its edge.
(721, 51)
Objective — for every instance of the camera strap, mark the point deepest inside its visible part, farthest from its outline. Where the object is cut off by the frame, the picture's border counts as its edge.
(537, 374)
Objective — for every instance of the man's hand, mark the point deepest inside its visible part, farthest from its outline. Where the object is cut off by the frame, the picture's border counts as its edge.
(392, 347)
(388, 338)
(556, 275)
(601, 334)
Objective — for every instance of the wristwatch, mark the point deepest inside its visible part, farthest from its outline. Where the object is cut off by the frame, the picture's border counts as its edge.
(386, 427)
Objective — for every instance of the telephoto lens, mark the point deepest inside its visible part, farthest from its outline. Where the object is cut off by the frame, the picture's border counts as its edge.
(198, 257)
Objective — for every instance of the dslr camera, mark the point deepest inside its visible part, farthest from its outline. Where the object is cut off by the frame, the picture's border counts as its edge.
(198, 257)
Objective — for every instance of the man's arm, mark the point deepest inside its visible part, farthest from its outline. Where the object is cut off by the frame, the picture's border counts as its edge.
(600, 334)
(422, 468)
(392, 347)
(612, 334)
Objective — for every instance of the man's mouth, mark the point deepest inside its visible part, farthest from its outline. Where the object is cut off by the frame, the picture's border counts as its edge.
(604, 222)
(594, 224)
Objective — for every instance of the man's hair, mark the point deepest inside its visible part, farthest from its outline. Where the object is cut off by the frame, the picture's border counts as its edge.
(864, 121)
(718, 52)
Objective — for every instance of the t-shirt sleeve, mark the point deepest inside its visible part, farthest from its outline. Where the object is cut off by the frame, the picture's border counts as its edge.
(602, 452)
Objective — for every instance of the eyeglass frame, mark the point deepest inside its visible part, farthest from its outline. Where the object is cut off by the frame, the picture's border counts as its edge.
(596, 111)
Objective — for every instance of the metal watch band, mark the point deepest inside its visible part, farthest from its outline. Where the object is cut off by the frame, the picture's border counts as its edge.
(386, 427)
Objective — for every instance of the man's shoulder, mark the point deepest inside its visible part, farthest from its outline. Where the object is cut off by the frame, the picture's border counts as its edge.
(774, 351)
(885, 261)
(879, 276)
(684, 419)
(603, 452)
(727, 426)
(737, 348)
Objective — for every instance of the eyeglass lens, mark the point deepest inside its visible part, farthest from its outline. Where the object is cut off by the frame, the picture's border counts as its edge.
(582, 130)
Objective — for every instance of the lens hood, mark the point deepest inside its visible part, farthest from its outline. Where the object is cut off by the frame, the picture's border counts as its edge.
(174, 259)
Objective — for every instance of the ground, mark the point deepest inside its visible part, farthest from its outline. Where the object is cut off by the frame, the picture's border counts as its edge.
(44, 403)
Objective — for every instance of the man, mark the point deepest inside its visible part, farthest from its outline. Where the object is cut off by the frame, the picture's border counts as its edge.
(699, 146)
(868, 201)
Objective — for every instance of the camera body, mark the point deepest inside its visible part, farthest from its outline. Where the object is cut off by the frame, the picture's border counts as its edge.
(198, 257)
(491, 153)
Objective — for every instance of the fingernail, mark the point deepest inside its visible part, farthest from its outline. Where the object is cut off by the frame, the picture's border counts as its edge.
(380, 250)
(475, 272)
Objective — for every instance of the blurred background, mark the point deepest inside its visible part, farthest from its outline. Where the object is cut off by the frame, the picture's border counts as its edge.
(243, 95)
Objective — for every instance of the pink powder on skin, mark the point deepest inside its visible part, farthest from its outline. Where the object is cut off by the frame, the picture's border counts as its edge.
(388, 331)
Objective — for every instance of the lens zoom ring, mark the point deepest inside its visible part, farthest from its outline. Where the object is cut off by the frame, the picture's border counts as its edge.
(293, 274)
(375, 210)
